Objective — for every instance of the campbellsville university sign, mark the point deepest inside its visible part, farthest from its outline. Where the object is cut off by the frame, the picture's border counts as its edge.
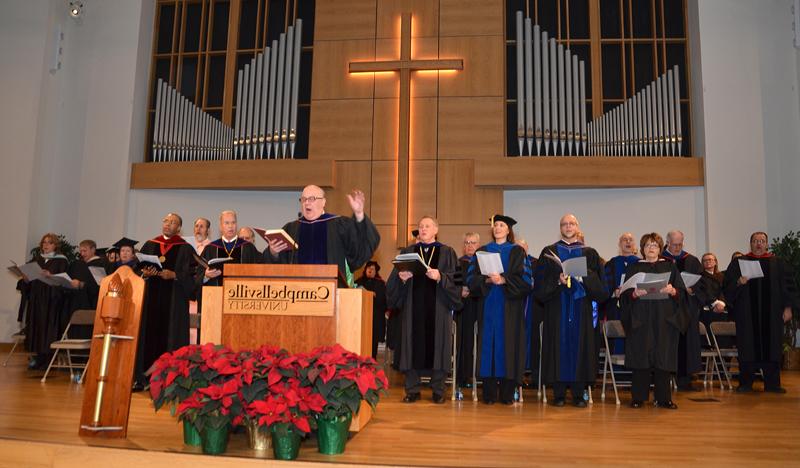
(277, 296)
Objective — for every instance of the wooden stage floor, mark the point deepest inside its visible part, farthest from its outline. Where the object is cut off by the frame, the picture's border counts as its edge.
(39, 422)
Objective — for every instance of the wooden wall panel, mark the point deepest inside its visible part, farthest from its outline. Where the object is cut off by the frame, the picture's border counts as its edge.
(387, 249)
(384, 129)
(453, 234)
(424, 20)
(341, 129)
(331, 77)
(343, 19)
(423, 128)
(384, 192)
(458, 200)
(471, 17)
(483, 74)
(471, 128)
(349, 175)
(422, 191)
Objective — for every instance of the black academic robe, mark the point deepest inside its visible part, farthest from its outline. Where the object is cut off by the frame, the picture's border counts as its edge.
(652, 327)
(689, 344)
(515, 292)
(707, 291)
(45, 319)
(466, 318)
(165, 314)
(446, 297)
(757, 307)
(548, 290)
(242, 252)
(84, 297)
(378, 287)
(348, 243)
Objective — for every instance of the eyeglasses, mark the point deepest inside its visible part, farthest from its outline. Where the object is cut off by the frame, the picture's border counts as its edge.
(569, 223)
(759, 241)
(311, 199)
(470, 242)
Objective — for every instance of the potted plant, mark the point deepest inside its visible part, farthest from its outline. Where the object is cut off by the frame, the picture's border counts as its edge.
(287, 413)
(259, 372)
(214, 410)
(343, 379)
(175, 376)
(788, 249)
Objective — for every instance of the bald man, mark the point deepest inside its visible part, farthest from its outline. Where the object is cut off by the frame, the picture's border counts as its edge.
(325, 238)
(569, 353)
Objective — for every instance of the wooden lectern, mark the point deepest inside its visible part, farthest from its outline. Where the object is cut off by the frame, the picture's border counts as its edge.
(295, 307)
(107, 394)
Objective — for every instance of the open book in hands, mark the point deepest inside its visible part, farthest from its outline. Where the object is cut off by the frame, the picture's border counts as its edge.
(212, 264)
(276, 234)
(653, 283)
(575, 267)
(410, 262)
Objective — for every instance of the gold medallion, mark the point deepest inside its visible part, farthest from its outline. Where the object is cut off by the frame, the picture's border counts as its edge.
(162, 259)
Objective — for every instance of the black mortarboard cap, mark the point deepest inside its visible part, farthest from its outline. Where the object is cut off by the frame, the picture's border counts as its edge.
(125, 242)
(506, 219)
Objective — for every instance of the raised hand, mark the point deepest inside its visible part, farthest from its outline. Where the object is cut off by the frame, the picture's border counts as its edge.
(357, 200)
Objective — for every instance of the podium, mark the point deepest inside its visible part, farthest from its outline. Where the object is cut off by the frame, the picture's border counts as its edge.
(295, 307)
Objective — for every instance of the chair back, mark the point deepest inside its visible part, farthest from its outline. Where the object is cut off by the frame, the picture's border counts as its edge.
(723, 328)
(701, 327)
(613, 329)
(82, 317)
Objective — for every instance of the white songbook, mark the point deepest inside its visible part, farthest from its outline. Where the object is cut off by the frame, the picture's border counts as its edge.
(489, 262)
(689, 279)
(751, 268)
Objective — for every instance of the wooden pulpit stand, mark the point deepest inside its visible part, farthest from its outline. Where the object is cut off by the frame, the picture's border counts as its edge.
(295, 307)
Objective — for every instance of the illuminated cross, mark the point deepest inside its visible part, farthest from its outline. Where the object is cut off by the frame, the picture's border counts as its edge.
(405, 66)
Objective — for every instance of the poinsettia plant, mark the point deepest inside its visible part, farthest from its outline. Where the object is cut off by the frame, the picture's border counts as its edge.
(289, 406)
(260, 370)
(176, 376)
(215, 406)
(344, 378)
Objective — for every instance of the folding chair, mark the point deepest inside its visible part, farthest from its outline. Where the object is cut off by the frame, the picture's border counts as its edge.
(724, 329)
(18, 338)
(611, 329)
(709, 354)
(66, 344)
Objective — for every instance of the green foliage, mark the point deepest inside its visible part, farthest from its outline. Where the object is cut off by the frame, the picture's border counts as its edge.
(68, 250)
(788, 249)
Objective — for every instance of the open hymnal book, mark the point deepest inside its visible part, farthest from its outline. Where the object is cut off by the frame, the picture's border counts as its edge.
(653, 283)
(410, 262)
(489, 262)
(98, 273)
(149, 260)
(213, 263)
(276, 234)
(30, 271)
(574, 267)
(689, 279)
(60, 279)
(751, 268)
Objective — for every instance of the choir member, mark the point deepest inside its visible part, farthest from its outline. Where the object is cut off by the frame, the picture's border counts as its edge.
(326, 238)
(228, 246)
(371, 281)
(84, 296)
(165, 313)
(45, 303)
(653, 326)
(569, 351)
(501, 313)
(709, 291)
(689, 345)
(202, 226)
(467, 316)
(426, 301)
(615, 273)
(247, 234)
(126, 249)
(760, 306)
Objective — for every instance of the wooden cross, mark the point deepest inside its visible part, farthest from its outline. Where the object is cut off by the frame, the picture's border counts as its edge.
(405, 66)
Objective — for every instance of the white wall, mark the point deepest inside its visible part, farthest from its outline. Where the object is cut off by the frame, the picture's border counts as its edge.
(68, 139)
(605, 214)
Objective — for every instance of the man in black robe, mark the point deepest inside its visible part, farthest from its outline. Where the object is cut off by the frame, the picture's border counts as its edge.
(325, 238)
(228, 246)
(426, 301)
(467, 316)
(165, 313)
(760, 307)
(569, 352)
(689, 344)
(86, 288)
